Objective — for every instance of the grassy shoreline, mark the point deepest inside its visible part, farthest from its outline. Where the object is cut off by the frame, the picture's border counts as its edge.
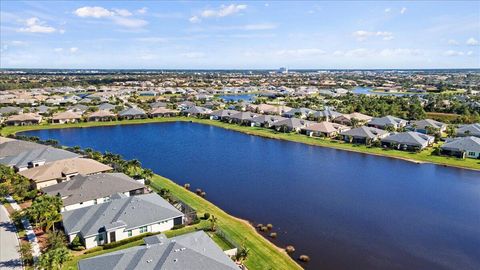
(423, 157)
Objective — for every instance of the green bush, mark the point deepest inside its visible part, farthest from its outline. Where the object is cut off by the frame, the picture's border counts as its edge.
(95, 249)
(126, 241)
(179, 226)
(77, 244)
(206, 216)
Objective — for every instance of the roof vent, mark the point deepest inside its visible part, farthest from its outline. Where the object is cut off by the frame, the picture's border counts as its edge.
(175, 260)
(149, 261)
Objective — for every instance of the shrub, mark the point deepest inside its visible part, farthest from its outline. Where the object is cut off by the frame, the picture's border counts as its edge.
(206, 216)
(264, 229)
(304, 258)
(95, 249)
(290, 249)
(273, 235)
(126, 241)
(198, 191)
(178, 226)
(259, 226)
(203, 194)
(76, 244)
(186, 186)
(269, 226)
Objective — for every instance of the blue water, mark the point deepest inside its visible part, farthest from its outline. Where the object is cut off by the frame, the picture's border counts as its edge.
(235, 98)
(346, 210)
(368, 90)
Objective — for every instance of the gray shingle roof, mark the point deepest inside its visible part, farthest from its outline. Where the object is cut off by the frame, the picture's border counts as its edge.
(131, 212)
(271, 119)
(409, 138)
(423, 124)
(189, 251)
(365, 132)
(463, 144)
(223, 113)
(472, 130)
(292, 123)
(83, 188)
(386, 121)
(329, 114)
(132, 112)
(243, 116)
(46, 154)
(106, 106)
(301, 111)
(16, 147)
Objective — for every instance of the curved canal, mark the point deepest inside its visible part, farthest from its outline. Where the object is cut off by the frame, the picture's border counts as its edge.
(346, 210)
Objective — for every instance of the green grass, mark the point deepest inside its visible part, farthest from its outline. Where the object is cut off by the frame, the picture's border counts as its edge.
(424, 156)
(220, 241)
(263, 254)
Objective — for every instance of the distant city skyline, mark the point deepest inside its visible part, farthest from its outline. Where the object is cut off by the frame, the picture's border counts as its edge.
(240, 35)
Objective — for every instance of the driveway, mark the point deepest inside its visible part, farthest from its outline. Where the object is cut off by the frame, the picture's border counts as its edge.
(9, 256)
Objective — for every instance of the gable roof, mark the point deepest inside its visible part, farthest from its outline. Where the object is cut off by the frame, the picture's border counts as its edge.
(66, 115)
(387, 121)
(194, 250)
(243, 116)
(424, 123)
(15, 147)
(83, 188)
(198, 110)
(106, 106)
(58, 169)
(365, 132)
(292, 123)
(24, 117)
(262, 119)
(325, 127)
(131, 112)
(101, 113)
(470, 143)
(130, 212)
(409, 138)
(46, 154)
(472, 129)
(223, 113)
(327, 113)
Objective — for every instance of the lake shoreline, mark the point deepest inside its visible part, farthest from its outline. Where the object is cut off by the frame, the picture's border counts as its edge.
(265, 133)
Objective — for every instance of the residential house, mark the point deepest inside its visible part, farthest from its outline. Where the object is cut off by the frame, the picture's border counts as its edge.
(222, 114)
(10, 110)
(86, 190)
(363, 135)
(347, 119)
(266, 120)
(120, 218)
(268, 109)
(409, 140)
(158, 104)
(132, 113)
(291, 124)
(23, 119)
(36, 157)
(78, 108)
(196, 111)
(242, 118)
(63, 170)
(101, 116)
(324, 129)
(462, 147)
(163, 112)
(427, 126)
(299, 113)
(12, 147)
(106, 107)
(387, 121)
(326, 115)
(469, 130)
(194, 250)
(66, 117)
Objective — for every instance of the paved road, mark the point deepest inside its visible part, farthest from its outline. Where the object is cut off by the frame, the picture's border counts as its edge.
(9, 256)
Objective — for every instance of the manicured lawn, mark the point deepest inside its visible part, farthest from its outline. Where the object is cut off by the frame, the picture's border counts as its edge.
(424, 156)
(263, 254)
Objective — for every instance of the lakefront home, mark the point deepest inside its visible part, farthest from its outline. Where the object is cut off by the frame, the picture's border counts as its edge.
(409, 140)
(326, 115)
(324, 129)
(132, 113)
(66, 117)
(120, 218)
(163, 112)
(268, 109)
(346, 119)
(194, 250)
(222, 115)
(427, 126)
(23, 119)
(242, 118)
(291, 125)
(266, 121)
(196, 111)
(469, 130)
(86, 190)
(101, 116)
(63, 170)
(302, 113)
(363, 135)
(36, 157)
(386, 122)
(462, 147)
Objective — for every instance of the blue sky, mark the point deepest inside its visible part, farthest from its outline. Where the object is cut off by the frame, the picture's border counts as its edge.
(241, 35)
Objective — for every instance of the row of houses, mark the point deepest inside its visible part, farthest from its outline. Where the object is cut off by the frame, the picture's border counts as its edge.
(101, 206)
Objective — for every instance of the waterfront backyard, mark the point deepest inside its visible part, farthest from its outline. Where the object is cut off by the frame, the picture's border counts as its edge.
(329, 204)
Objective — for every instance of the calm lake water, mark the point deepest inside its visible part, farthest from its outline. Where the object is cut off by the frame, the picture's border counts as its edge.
(245, 97)
(346, 210)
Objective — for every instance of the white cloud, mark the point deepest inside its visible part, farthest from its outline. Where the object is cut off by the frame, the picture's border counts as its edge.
(400, 52)
(194, 19)
(403, 10)
(95, 12)
(118, 16)
(470, 53)
(453, 53)
(263, 26)
(34, 25)
(58, 49)
(222, 11)
(142, 10)
(129, 22)
(300, 52)
(387, 10)
(123, 12)
(472, 41)
(73, 49)
(362, 35)
(452, 42)
(193, 55)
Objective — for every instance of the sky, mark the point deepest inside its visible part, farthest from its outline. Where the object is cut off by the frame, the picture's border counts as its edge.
(239, 35)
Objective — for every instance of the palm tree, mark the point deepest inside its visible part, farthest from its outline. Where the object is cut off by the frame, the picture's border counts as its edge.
(54, 259)
(147, 174)
(451, 131)
(213, 223)
(354, 121)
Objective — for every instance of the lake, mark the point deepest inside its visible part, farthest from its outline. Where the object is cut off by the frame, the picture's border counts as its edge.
(345, 210)
(240, 97)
